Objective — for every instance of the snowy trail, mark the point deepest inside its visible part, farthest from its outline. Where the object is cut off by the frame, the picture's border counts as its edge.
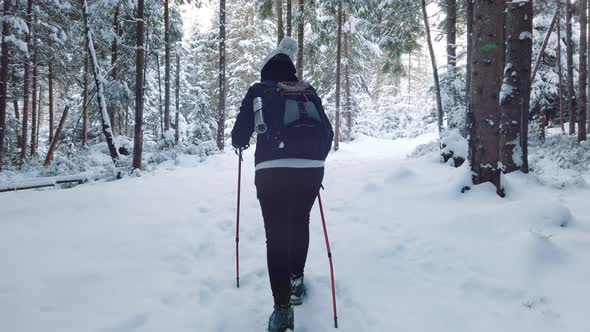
(411, 254)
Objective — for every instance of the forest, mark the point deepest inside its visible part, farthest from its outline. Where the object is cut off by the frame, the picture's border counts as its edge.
(83, 83)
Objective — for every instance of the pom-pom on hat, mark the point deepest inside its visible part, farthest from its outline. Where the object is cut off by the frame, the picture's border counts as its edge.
(287, 46)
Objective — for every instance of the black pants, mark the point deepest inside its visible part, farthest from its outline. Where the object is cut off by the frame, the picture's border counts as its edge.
(286, 196)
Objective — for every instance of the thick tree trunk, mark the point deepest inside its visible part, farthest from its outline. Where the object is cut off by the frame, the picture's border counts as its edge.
(468, 66)
(584, 120)
(289, 18)
(138, 135)
(50, 83)
(280, 28)
(338, 78)
(167, 65)
(34, 105)
(515, 94)
(221, 109)
(486, 80)
(571, 110)
(98, 79)
(27, 83)
(434, 68)
(177, 120)
(4, 63)
(583, 71)
(57, 137)
(543, 47)
(85, 98)
(559, 68)
(160, 96)
(300, 38)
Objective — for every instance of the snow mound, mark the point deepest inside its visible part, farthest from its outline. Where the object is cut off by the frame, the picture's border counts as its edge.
(455, 148)
(549, 216)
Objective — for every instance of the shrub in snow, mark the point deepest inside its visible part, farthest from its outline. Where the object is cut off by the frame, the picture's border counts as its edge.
(545, 87)
(397, 117)
(425, 150)
(560, 161)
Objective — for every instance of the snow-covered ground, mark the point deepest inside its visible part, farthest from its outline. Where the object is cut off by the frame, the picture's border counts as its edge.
(412, 254)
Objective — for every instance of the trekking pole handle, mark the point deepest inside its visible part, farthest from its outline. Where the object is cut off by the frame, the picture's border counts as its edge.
(259, 123)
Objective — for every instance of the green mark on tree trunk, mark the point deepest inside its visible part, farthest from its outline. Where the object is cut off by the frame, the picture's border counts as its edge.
(489, 47)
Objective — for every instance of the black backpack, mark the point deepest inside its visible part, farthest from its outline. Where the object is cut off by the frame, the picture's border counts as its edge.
(297, 123)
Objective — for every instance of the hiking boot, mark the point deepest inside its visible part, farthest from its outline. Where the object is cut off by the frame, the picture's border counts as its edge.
(282, 319)
(297, 290)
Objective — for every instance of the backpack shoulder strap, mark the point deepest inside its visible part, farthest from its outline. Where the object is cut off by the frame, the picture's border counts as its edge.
(268, 84)
(298, 87)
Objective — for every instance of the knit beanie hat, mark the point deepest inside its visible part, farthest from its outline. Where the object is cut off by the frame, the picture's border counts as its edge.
(287, 46)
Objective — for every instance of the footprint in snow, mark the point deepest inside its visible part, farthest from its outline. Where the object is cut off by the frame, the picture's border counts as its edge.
(130, 324)
(399, 174)
(371, 187)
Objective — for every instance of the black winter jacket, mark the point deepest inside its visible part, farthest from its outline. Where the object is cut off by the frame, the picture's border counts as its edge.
(279, 69)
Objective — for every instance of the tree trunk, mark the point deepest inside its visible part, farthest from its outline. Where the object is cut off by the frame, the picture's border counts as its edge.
(584, 119)
(39, 115)
(138, 135)
(4, 62)
(167, 65)
(451, 34)
(348, 105)
(34, 104)
(434, 68)
(15, 107)
(57, 137)
(15, 97)
(115, 64)
(571, 110)
(468, 65)
(338, 76)
(160, 96)
(85, 98)
(409, 74)
(221, 109)
(559, 68)
(543, 47)
(451, 28)
(50, 83)
(177, 120)
(98, 79)
(486, 79)
(583, 71)
(515, 94)
(280, 28)
(27, 82)
(146, 28)
(289, 18)
(300, 38)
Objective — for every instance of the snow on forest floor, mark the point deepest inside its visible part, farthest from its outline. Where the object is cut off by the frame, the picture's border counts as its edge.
(411, 253)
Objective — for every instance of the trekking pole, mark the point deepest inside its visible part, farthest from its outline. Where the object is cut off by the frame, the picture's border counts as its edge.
(238, 220)
(330, 259)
